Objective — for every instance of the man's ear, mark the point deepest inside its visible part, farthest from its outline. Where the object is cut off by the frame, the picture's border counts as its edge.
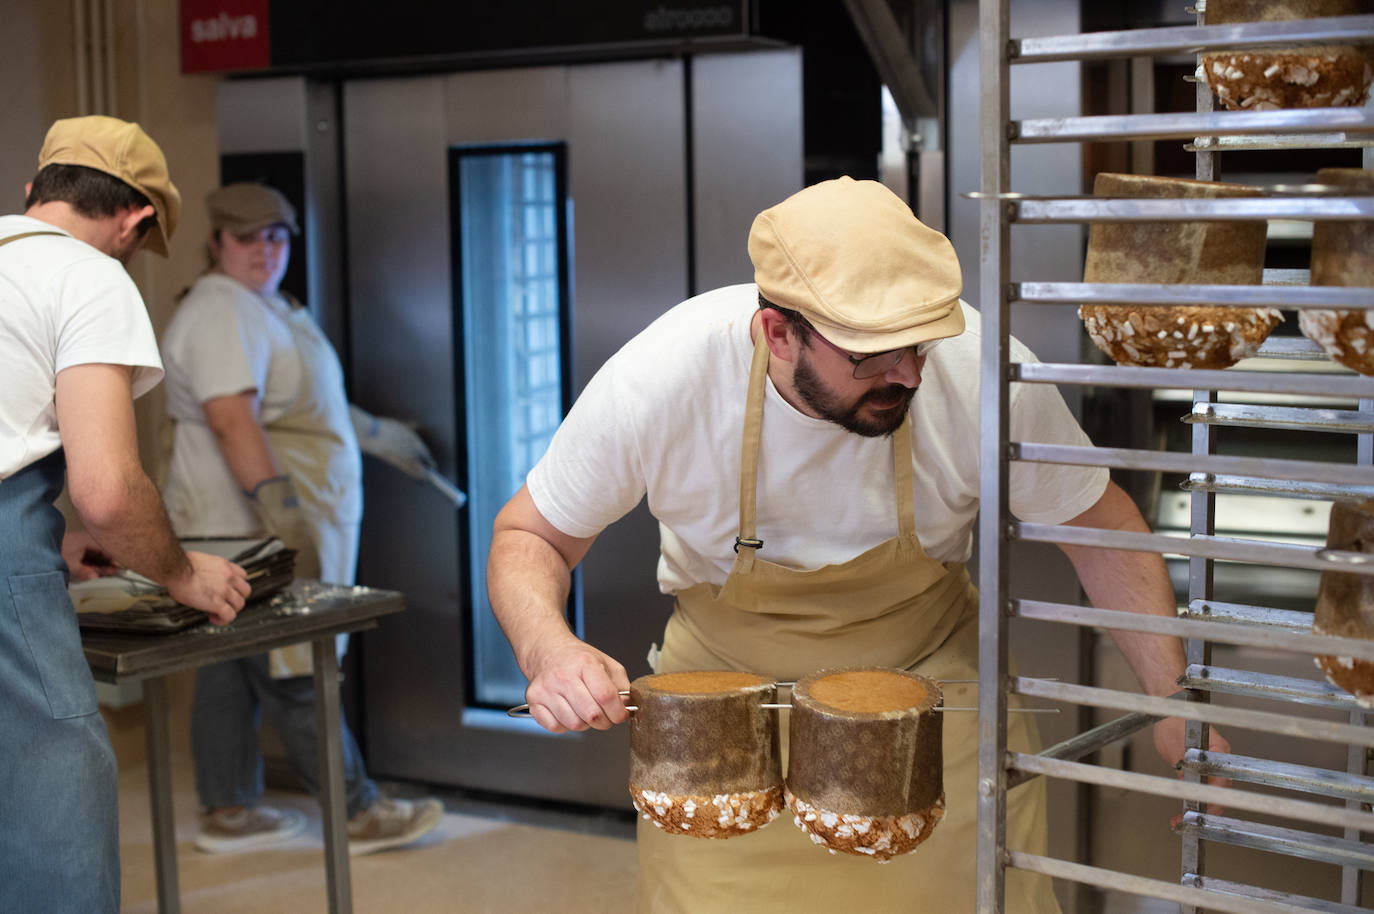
(778, 333)
(131, 217)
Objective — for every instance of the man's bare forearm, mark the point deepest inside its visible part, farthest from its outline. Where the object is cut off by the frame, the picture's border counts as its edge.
(1132, 581)
(131, 525)
(528, 582)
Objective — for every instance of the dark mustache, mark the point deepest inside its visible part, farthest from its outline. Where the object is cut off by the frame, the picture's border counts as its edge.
(887, 393)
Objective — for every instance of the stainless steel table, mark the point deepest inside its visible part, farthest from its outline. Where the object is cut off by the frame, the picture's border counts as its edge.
(306, 611)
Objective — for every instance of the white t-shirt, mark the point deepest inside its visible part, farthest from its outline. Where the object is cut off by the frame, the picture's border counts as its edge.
(223, 340)
(62, 303)
(664, 417)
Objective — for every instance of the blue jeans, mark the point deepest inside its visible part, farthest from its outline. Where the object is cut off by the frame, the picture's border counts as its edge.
(229, 702)
(59, 815)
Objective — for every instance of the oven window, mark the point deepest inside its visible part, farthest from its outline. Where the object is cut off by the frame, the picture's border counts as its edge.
(511, 235)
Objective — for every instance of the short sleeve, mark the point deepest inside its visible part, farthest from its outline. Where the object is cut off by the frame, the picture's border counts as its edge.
(221, 347)
(592, 474)
(101, 318)
(1049, 493)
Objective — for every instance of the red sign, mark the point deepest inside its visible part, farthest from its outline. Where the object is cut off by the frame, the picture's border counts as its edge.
(224, 35)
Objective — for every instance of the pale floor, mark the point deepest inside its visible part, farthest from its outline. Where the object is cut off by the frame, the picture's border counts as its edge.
(479, 862)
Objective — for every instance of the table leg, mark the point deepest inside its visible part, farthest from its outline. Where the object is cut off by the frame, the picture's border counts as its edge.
(328, 721)
(160, 795)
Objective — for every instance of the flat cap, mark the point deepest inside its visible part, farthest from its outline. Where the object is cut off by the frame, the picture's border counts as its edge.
(857, 263)
(247, 206)
(121, 149)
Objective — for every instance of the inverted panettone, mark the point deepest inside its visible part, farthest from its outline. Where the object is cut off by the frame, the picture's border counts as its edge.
(1171, 253)
(1345, 601)
(704, 756)
(1304, 76)
(866, 769)
(1343, 255)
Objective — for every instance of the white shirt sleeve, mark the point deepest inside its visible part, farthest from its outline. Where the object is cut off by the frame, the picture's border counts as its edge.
(225, 349)
(592, 474)
(102, 319)
(1049, 493)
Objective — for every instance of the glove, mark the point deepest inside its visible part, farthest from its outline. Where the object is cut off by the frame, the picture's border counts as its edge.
(279, 509)
(391, 440)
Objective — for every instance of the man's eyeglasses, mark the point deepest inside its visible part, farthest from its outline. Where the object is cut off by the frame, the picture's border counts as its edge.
(870, 366)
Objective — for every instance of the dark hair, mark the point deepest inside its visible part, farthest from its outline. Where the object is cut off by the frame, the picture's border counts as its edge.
(799, 324)
(91, 192)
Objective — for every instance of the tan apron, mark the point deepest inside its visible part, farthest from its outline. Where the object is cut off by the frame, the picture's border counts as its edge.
(312, 441)
(891, 606)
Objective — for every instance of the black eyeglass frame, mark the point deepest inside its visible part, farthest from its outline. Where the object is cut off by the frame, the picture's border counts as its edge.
(874, 364)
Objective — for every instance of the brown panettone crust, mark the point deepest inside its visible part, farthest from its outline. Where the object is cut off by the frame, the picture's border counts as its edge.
(879, 838)
(1343, 255)
(1345, 602)
(1315, 76)
(1186, 337)
(723, 815)
(866, 773)
(1304, 77)
(1172, 253)
(704, 753)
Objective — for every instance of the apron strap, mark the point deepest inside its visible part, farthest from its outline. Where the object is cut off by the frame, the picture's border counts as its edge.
(903, 477)
(5, 241)
(749, 452)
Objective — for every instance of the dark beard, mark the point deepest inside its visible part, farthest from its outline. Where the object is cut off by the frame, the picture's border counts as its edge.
(828, 406)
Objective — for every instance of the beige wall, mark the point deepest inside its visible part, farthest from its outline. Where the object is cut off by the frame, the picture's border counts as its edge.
(39, 66)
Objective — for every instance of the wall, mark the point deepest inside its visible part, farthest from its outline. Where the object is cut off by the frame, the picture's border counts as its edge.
(39, 70)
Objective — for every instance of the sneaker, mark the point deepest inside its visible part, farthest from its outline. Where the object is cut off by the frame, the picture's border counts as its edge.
(389, 823)
(247, 828)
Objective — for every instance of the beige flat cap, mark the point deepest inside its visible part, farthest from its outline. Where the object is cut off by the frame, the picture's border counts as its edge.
(852, 258)
(246, 206)
(121, 149)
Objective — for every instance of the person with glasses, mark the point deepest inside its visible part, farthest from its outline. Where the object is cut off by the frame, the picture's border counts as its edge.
(76, 349)
(265, 440)
(809, 444)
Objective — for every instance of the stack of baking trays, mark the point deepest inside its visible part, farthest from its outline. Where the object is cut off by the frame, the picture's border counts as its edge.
(128, 601)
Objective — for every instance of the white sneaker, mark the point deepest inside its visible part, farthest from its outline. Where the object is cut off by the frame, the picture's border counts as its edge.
(389, 823)
(246, 829)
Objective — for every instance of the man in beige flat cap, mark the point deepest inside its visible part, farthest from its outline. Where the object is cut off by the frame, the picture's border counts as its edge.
(816, 512)
(76, 348)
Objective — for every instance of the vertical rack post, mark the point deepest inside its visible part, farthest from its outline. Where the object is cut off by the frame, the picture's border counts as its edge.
(1202, 521)
(1357, 757)
(995, 259)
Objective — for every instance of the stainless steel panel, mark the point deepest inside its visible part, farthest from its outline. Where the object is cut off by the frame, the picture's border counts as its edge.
(746, 153)
(402, 365)
(261, 115)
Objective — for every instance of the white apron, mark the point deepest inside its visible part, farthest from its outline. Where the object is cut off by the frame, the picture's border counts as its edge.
(891, 606)
(313, 442)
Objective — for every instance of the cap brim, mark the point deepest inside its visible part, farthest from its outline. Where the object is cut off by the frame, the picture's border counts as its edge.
(951, 324)
(156, 241)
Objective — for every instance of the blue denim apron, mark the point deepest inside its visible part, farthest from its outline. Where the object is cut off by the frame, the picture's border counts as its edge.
(59, 816)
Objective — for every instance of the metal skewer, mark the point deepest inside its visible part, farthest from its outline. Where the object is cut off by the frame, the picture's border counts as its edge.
(524, 710)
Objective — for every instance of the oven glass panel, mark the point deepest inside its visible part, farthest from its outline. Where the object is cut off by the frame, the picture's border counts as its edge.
(511, 235)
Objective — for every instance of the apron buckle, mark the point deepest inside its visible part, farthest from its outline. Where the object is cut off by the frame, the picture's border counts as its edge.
(748, 542)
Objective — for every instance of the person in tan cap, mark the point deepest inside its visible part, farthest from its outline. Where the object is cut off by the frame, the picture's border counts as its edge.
(76, 348)
(809, 444)
(265, 439)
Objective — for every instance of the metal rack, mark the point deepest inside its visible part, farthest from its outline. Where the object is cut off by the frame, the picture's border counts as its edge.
(1338, 799)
